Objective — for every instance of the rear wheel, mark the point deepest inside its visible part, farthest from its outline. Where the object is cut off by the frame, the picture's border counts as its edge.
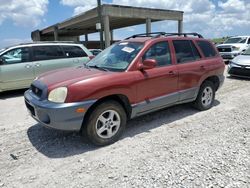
(106, 123)
(205, 98)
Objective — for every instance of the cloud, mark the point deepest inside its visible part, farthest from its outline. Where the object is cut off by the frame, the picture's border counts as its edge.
(231, 16)
(80, 5)
(23, 13)
(226, 17)
(232, 6)
(13, 41)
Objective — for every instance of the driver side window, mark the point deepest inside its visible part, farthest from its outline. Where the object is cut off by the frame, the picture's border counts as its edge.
(17, 55)
(159, 52)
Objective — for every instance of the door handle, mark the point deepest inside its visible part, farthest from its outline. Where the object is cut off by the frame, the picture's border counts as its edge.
(28, 66)
(37, 64)
(172, 73)
(202, 67)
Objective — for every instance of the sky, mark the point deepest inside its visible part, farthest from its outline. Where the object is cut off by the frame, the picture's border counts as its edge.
(211, 18)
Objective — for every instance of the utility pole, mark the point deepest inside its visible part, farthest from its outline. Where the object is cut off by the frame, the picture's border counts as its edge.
(99, 8)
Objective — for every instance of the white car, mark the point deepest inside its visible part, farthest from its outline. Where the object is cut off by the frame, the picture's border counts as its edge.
(240, 65)
(233, 46)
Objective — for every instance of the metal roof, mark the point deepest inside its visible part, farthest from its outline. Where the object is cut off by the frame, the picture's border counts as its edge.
(119, 17)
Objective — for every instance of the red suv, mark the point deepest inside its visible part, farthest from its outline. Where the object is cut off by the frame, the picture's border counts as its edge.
(133, 77)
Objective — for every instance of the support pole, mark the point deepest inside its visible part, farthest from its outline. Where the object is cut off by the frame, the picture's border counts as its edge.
(180, 26)
(112, 35)
(86, 38)
(106, 31)
(100, 20)
(55, 33)
(148, 25)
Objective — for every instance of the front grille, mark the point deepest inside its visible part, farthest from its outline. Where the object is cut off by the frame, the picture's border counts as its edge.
(37, 91)
(239, 71)
(221, 49)
(31, 108)
(224, 56)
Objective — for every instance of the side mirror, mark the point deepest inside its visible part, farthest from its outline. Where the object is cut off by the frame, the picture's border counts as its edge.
(147, 64)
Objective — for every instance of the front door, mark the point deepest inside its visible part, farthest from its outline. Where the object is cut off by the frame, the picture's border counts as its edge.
(16, 70)
(157, 87)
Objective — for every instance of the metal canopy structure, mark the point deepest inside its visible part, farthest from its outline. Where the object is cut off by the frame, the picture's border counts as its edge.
(113, 17)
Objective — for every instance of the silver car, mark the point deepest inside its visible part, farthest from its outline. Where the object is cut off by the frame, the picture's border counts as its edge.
(20, 64)
(240, 65)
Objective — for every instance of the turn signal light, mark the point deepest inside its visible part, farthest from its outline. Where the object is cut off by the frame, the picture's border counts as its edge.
(80, 110)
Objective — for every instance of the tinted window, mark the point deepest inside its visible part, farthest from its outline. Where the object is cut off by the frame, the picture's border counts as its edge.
(206, 48)
(74, 51)
(47, 52)
(17, 55)
(248, 41)
(160, 52)
(185, 51)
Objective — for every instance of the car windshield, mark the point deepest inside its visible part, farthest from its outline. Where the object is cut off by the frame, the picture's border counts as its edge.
(235, 40)
(117, 57)
(247, 52)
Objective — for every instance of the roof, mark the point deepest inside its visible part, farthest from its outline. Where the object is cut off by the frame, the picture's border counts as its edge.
(119, 17)
(40, 44)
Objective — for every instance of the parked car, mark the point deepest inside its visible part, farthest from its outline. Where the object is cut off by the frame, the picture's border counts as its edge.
(20, 64)
(233, 46)
(240, 65)
(133, 77)
(95, 52)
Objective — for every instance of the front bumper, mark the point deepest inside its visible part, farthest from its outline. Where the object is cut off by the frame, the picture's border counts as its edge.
(229, 55)
(238, 70)
(62, 116)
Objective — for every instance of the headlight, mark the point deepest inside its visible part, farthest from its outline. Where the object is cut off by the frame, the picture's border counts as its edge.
(58, 95)
(235, 48)
(232, 63)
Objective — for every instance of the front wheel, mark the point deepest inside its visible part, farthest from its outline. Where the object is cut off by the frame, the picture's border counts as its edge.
(106, 123)
(205, 98)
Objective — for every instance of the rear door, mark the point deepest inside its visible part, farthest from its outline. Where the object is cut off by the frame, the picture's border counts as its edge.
(17, 69)
(76, 54)
(190, 68)
(49, 57)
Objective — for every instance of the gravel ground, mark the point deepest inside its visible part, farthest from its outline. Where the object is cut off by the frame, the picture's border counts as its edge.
(176, 147)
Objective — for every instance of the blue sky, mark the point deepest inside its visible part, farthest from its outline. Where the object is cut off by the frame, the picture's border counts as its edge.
(212, 18)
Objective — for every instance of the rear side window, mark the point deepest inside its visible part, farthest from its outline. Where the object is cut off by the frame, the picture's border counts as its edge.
(206, 48)
(160, 52)
(73, 51)
(185, 51)
(47, 52)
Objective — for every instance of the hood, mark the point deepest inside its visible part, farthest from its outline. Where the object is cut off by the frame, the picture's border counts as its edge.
(67, 76)
(232, 44)
(242, 60)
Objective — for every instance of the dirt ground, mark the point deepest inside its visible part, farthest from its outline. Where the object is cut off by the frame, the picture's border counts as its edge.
(176, 147)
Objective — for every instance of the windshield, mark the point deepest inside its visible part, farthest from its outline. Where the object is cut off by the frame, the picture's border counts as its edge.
(247, 52)
(117, 57)
(235, 40)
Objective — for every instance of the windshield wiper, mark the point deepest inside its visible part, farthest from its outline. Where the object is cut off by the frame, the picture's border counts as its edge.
(97, 67)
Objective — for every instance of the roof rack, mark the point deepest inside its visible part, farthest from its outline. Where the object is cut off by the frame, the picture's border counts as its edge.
(146, 35)
(158, 34)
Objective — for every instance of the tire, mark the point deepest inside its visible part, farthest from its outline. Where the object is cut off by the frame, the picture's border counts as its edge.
(206, 95)
(106, 123)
